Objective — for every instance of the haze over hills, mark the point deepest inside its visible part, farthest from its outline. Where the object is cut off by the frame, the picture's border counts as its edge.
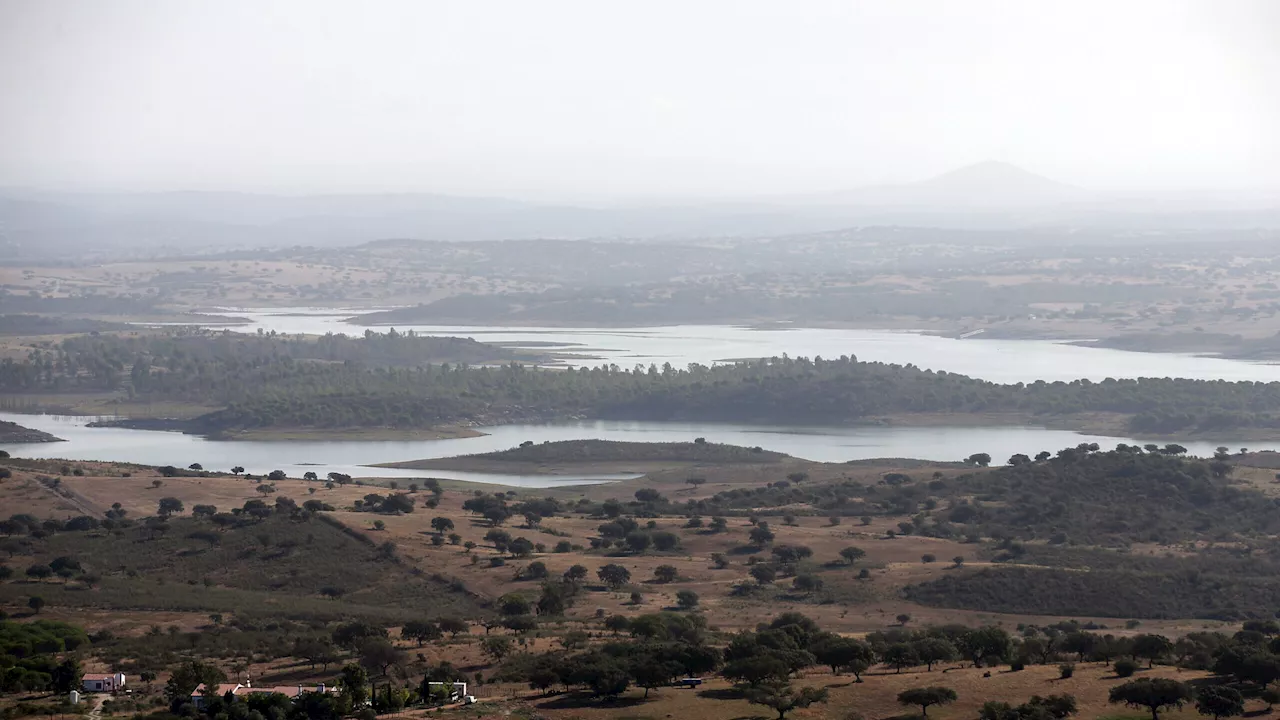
(990, 185)
(988, 195)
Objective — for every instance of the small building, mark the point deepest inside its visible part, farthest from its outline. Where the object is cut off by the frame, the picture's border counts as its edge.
(99, 682)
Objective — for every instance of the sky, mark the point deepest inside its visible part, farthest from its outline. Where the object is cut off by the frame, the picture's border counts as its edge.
(564, 99)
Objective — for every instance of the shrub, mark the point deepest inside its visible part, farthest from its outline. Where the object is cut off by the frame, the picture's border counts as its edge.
(1125, 668)
(1066, 670)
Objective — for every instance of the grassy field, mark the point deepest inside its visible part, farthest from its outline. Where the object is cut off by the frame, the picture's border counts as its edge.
(845, 603)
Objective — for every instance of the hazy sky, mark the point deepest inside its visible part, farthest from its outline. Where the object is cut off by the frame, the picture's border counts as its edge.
(624, 99)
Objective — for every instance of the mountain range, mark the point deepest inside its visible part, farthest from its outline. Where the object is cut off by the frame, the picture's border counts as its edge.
(989, 195)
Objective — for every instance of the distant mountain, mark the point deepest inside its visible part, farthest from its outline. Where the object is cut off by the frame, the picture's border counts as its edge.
(985, 185)
(985, 196)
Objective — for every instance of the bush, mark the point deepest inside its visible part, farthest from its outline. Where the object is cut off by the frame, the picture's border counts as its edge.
(1066, 670)
(1125, 668)
(1017, 665)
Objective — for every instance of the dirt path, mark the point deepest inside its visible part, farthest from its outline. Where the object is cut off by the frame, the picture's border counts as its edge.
(81, 502)
(96, 712)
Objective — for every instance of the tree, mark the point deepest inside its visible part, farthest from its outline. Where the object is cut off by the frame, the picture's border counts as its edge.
(422, 631)
(1151, 693)
(638, 541)
(761, 535)
(441, 525)
(852, 554)
(807, 583)
(932, 650)
(189, 675)
(783, 698)
(687, 599)
(453, 626)
(576, 573)
(926, 697)
(979, 459)
(649, 672)
(35, 603)
(695, 482)
(499, 538)
(169, 506)
(380, 654)
(354, 685)
(665, 573)
(648, 495)
(521, 547)
(67, 676)
(763, 574)
(1079, 642)
(514, 604)
(839, 652)
(39, 572)
(1151, 647)
(1219, 701)
(496, 647)
(195, 466)
(613, 575)
(237, 470)
(900, 655)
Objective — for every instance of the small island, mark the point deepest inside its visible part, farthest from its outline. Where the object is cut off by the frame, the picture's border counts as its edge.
(13, 433)
(577, 456)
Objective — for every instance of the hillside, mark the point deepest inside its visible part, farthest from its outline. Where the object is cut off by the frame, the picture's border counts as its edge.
(285, 563)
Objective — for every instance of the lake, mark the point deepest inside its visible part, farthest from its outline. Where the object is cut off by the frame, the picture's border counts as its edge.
(1004, 361)
(295, 457)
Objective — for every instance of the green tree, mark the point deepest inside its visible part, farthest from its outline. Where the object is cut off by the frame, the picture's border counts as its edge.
(421, 631)
(839, 653)
(900, 655)
(1151, 647)
(441, 525)
(852, 554)
(763, 573)
(761, 535)
(496, 647)
(35, 602)
(354, 686)
(687, 599)
(614, 575)
(169, 506)
(1151, 693)
(189, 675)
(926, 697)
(665, 573)
(1219, 701)
(453, 626)
(783, 698)
(932, 650)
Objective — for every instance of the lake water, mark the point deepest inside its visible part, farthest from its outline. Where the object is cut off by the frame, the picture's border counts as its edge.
(1004, 361)
(825, 444)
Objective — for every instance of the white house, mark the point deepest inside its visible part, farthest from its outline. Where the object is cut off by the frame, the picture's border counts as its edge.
(99, 682)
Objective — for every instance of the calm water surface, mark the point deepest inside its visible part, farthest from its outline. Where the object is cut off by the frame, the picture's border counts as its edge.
(1005, 361)
(825, 444)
